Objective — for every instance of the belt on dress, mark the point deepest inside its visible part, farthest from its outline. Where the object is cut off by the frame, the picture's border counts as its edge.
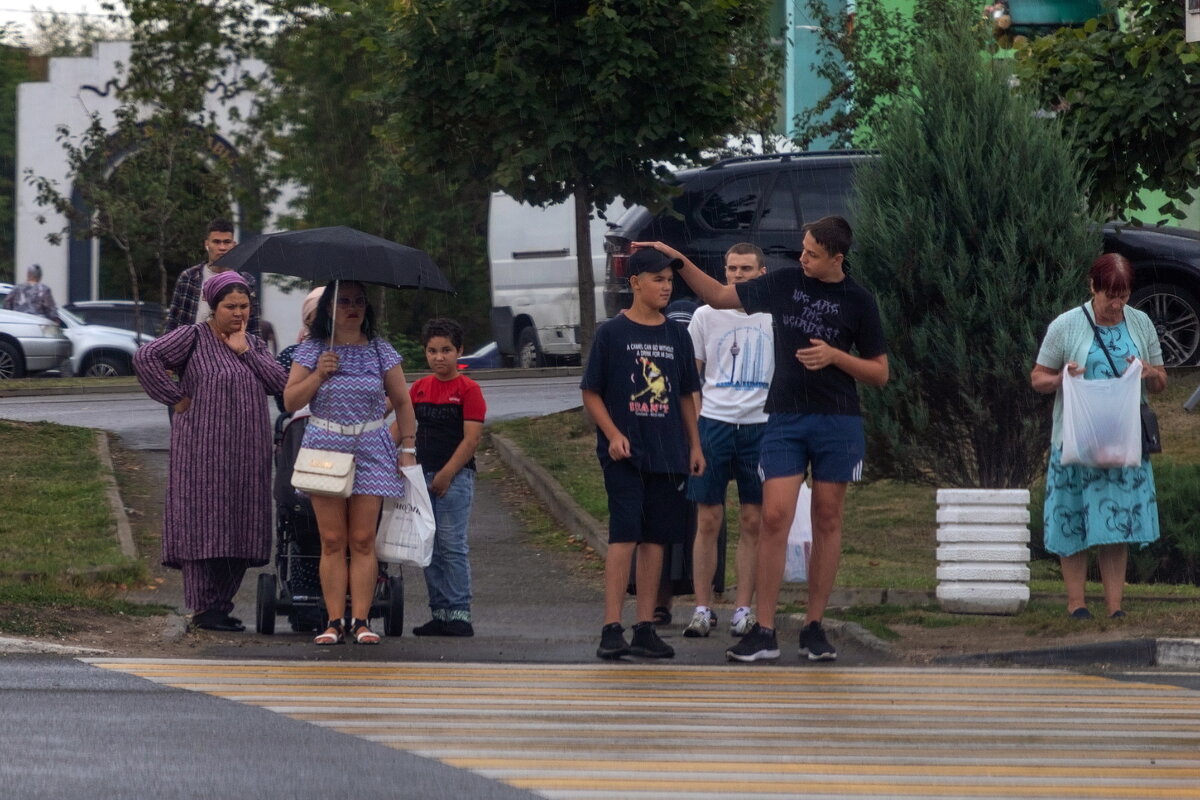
(347, 430)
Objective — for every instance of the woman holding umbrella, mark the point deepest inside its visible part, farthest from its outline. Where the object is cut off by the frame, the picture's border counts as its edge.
(347, 375)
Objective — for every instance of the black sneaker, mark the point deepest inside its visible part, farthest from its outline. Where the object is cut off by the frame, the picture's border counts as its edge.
(435, 627)
(647, 644)
(612, 642)
(814, 644)
(757, 645)
(457, 627)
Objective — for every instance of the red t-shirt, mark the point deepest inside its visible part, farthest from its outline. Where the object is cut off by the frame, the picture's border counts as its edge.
(442, 407)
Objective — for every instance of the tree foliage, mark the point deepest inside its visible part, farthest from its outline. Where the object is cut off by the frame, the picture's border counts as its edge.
(14, 69)
(575, 98)
(1131, 92)
(970, 258)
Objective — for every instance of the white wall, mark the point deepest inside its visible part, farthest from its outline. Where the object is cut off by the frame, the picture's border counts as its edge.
(75, 90)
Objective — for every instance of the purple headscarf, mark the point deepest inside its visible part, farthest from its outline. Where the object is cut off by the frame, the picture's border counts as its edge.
(214, 285)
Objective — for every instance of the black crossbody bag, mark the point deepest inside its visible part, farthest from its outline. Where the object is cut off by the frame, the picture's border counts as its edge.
(1151, 442)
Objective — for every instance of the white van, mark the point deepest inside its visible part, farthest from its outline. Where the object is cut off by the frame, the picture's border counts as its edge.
(535, 292)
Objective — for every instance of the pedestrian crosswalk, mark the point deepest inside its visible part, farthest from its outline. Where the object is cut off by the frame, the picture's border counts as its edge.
(650, 731)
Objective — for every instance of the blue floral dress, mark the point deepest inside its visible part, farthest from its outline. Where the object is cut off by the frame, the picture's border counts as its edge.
(1087, 506)
(354, 394)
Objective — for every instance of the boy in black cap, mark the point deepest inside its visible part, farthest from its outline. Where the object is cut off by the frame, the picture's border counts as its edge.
(638, 387)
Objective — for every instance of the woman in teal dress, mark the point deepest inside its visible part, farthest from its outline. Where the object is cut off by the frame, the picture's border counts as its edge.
(1108, 509)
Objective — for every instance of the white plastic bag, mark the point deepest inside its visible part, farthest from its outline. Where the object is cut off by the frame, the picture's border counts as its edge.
(1101, 425)
(799, 542)
(407, 526)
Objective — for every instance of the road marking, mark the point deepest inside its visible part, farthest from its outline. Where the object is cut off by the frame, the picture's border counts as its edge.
(650, 732)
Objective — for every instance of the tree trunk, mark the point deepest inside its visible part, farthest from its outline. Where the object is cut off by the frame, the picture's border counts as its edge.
(587, 283)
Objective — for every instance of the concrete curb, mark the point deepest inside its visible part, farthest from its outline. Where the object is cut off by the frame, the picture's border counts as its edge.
(10, 644)
(560, 504)
(1125, 653)
(112, 491)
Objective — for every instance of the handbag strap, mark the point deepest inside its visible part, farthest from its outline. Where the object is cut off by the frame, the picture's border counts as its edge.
(1096, 332)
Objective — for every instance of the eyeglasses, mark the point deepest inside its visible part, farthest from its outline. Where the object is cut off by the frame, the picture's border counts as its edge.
(346, 302)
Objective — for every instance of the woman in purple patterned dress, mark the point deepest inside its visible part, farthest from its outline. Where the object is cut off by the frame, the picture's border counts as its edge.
(218, 516)
(347, 387)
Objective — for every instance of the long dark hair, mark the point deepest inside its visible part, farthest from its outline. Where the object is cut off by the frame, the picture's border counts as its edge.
(322, 324)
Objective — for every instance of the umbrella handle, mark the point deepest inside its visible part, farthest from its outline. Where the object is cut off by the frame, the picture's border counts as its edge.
(333, 316)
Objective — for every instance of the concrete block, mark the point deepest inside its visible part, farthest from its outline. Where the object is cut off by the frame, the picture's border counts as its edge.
(970, 551)
(1177, 653)
(848, 598)
(978, 571)
(983, 515)
(986, 497)
(982, 598)
(1015, 534)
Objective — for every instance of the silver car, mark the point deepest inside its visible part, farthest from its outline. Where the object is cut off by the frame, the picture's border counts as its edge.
(30, 344)
(98, 351)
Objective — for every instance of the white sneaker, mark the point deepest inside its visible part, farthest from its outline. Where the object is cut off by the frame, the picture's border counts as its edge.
(699, 626)
(740, 626)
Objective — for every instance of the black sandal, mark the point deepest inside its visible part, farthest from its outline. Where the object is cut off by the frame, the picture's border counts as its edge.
(362, 633)
(662, 616)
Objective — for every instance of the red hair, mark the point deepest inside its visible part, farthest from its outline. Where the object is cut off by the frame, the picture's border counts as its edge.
(1112, 274)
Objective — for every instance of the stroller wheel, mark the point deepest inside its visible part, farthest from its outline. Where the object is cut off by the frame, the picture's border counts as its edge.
(393, 618)
(265, 608)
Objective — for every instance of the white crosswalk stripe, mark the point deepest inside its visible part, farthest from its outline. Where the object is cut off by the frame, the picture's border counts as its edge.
(647, 732)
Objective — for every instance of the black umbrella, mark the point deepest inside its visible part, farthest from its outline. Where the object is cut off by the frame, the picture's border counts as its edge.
(338, 253)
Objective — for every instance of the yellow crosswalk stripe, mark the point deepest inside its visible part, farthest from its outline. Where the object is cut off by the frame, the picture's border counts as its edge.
(648, 732)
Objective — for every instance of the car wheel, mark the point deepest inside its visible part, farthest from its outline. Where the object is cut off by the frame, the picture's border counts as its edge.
(12, 363)
(1176, 316)
(106, 367)
(529, 352)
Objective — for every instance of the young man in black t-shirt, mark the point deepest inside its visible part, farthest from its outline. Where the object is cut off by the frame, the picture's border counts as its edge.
(638, 387)
(820, 315)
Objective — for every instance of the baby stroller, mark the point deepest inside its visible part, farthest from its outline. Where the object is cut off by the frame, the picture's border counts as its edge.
(295, 588)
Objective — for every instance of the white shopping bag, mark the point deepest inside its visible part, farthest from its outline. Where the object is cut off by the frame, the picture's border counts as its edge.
(406, 528)
(1101, 424)
(799, 542)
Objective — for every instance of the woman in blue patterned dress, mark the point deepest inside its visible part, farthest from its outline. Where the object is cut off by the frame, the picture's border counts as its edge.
(347, 387)
(1108, 509)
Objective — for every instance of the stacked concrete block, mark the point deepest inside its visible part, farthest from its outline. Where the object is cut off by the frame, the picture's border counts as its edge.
(983, 550)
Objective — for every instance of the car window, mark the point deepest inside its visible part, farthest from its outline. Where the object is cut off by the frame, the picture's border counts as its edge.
(823, 192)
(733, 205)
(779, 212)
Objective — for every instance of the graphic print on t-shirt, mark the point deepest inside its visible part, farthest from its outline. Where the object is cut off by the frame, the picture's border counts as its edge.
(651, 396)
(814, 317)
(749, 364)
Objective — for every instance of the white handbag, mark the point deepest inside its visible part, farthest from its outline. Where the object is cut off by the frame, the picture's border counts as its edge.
(799, 541)
(407, 526)
(324, 472)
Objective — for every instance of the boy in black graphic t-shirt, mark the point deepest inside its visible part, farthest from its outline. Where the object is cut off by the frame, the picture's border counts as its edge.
(638, 386)
(820, 316)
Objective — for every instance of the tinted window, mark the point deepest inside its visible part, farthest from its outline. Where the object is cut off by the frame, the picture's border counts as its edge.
(779, 212)
(823, 192)
(733, 205)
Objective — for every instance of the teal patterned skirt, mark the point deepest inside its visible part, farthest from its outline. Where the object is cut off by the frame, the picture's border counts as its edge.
(1087, 506)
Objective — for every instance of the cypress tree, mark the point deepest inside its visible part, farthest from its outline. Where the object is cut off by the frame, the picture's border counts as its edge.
(971, 228)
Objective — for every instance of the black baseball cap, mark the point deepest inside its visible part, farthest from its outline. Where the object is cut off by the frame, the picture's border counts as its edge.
(650, 260)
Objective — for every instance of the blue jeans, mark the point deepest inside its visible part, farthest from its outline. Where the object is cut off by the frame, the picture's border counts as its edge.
(448, 576)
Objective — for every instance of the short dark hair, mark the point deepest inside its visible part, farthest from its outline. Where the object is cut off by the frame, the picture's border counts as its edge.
(748, 249)
(322, 324)
(833, 233)
(218, 225)
(1112, 274)
(442, 326)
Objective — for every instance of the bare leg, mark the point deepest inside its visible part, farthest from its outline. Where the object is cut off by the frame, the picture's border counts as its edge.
(750, 520)
(364, 569)
(1074, 570)
(649, 573)
(616, 578)
(1112, 559)
(332, 520)
(779, 506)
(828, 501)
(704, 551)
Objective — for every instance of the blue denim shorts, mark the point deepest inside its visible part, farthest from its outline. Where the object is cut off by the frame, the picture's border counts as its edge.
(834, 445)
(730, 451)
(646, 507)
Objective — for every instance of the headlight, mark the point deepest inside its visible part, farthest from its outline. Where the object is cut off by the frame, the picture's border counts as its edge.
(51, 331)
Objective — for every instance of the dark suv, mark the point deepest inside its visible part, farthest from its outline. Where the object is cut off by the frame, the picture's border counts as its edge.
(767, 199)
